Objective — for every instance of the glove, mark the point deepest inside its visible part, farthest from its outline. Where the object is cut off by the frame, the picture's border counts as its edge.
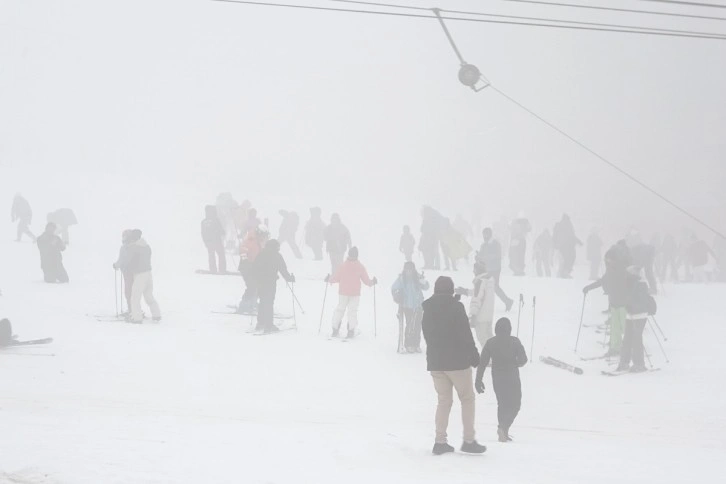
(292, 279)
(585, 290)
(327, 278)
(375, 281)
(479, 386)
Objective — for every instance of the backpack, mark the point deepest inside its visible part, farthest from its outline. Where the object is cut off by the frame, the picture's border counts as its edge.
(6, 332)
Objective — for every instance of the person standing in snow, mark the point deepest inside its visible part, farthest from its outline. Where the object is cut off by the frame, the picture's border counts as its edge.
(267, 266)
(407, 243)
(137, 262)
(481, 306)
(594, 254)
(543, 254)
(51, 259)
(349, 276)
(565, 242)
(432, 225)
(337, 242)
(288, 231)
(640, 304)
(251, 224)
(22, 212)
(249, 250)
(408, 293)
(669, 262)
(490, 254)
(519, 230)
(213, 236)
(127, 276)
(315, 233)
(450, 356)
(507, 356)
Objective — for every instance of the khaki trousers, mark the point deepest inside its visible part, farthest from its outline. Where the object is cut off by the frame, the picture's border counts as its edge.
(444, 383)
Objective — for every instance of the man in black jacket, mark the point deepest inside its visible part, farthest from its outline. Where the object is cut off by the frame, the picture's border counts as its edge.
(267, 266)
(450, 355)
(51, 259)
(507, 355)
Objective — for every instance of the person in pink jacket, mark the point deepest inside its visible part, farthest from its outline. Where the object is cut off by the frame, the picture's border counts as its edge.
(349, 277)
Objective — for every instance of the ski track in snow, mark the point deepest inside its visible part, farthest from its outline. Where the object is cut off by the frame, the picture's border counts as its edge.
(197, 399)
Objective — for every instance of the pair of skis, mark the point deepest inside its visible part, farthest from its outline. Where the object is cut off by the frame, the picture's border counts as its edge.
(43, 341)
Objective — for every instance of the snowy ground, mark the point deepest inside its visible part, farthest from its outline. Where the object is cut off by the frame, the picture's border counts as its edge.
(197, 399)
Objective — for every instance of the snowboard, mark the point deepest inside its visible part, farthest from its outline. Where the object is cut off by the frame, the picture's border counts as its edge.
(43, 341)
(561, 364)
(210, 273)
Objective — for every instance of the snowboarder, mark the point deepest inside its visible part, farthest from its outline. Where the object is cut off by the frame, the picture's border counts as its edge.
(268, 264)
(249, 250)
(519, 230)
(614, 283)
(490, 254)
(594, 254)
(349, 276)
(315, 233)
(63, 218)
(565, 242)
(450, 356)
(128, 277)
(640, 304)
(136, 261)
(507, 356)
(51, 259)
(481, 306)
(543, 254)
(407, 243)
(288, 231)
(22, 212)
(337, 242)
(408, 294)
(213, 236)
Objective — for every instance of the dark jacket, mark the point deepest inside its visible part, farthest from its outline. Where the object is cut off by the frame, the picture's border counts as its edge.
(639, 300)
(21, 210)
(450, 345)
(268, 264)
(505, 352)
(50, 247)
(212, 230)
(136, 258)
(337, 238)
(490, 253)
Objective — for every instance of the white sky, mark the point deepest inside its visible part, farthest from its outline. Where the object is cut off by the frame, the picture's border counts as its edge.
(251, 99)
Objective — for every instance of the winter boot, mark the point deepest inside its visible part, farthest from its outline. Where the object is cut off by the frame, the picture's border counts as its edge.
(473, 447)
(440, 449)
(638, 369)
(271, 329)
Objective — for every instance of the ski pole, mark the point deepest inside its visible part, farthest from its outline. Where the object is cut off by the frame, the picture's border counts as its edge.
(534, 316)
(122, 294)
(519, 311)
(294, 313)
(375, 317)
(115, 290)
(647, 356)
(322, 311)
(655, 321)
(659, 343)
(294, 298)
(582, 315)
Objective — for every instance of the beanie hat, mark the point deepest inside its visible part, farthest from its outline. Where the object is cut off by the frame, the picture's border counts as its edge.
(353, 253)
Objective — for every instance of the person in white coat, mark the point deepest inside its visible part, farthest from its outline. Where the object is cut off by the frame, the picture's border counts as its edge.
(481, 306)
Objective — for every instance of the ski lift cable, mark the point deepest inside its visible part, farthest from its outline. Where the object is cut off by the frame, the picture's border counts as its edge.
(615, 9)
(516, 17)
(474, 20)
(687, 4)
(609, 163)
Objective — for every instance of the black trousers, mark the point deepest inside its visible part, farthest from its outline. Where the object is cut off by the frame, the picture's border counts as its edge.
(508, 390)
(293, 246)
(413, 318)
(54, 271)
(633, 349)
(266, 309)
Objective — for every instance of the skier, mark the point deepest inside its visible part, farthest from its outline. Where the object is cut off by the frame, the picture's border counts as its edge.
(349, 276)
(22, 212)
(565, 242)
(481, 306)
(407, 243)
(213, 237)
(640, 304)
(249, 250)
(507, 356)
(450, 356)
(614, 283)
(669, 254)
(63, 218)
(51, 259)
(337, 242)
(408, 293)
(128, 277)
(251, 223)
(594, 254)
(136, 261)
(315, 233)
(267, 266)
(288, 231)
(490, 254)
(543, 254)
(519, 230)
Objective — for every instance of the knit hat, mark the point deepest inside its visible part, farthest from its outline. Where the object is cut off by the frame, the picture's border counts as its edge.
(353, 253)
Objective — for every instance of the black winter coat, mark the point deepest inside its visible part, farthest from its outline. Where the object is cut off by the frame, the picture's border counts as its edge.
(268, 264)
(450, 345)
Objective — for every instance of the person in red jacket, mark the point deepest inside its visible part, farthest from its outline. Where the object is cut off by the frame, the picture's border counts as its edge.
(349, 277)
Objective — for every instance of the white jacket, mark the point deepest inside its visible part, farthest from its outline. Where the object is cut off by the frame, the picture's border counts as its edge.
(481, 307)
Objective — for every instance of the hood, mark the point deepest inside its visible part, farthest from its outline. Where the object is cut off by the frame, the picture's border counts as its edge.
(503, 327)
